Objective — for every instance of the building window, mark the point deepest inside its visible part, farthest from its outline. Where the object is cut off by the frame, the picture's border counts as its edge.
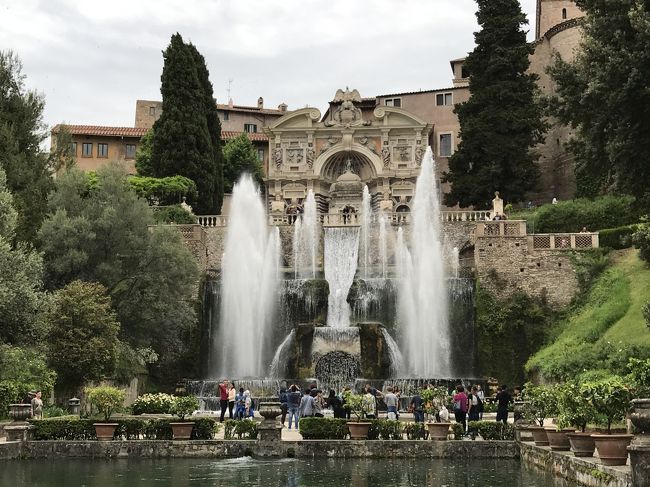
(444, 99)
(102, 150)
(445, 148)
(130, 151)
(394, 102)
(563, 14)
(152, 111)
(260, 154)
(73, 149)
(87, 149)
(226, 116)
(251, 128)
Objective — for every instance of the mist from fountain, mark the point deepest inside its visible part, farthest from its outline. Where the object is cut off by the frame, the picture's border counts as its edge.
(305, 240)
(422, 297)
(383, 245)
(366, 219)
(454, 262)
(340, 265)
(249, 283)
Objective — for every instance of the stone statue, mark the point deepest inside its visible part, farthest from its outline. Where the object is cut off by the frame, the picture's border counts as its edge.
(385, 156)
(419, 154)
(310, 157)
(277, 157)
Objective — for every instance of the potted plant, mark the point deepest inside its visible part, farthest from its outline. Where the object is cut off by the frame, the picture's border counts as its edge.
(358, 429)
(434, 398)
(573, 410)
(540, 404)
(183, 406)
(106, 399)
(610, 398)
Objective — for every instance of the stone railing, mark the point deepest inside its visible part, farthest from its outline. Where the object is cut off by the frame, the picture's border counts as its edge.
(210, 221)
(562, 241)
(501, 228)
(466, 216)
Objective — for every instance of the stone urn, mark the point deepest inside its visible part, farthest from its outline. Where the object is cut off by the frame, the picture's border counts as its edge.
(20, 412)
(582, 444)
(438, 431)
(270, 411)
(612, 449)
(539, 435)
(639, 448)
(558, 439)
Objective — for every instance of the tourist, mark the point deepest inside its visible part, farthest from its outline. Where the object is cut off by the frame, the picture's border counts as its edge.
(223, 396)
(248, 404)
(317, 405)
(336, 404)
(460, 406)
(584, 230)
(397, 393)
(232, 393)
(481, 395)
(306, 408)
(293, 402)
(240, 407)
(416, 406)
(344, 395)
(496, 217)
(369, 405)
(37, 406)
(503, 400)
(473, 412)
(391, 401)
(284, 404)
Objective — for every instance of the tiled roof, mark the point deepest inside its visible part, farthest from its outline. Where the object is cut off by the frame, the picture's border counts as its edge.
(240, 108)
(103, 130)
(423, 91)
(254, 137)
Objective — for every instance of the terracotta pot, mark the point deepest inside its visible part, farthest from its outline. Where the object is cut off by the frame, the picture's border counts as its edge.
(105, 431)
(558, 440)
(182, 431)
(582, 444)
(358, 431)
(612, 449)
(539, 435)
(438, 431)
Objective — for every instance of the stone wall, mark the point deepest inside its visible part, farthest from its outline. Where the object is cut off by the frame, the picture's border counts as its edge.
(507, 264)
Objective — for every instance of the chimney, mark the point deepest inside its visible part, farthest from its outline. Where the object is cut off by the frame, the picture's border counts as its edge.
(282, 107)
(230, 102)
(260, 103)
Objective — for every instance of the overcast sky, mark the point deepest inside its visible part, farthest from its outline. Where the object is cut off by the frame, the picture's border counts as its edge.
(93, 59)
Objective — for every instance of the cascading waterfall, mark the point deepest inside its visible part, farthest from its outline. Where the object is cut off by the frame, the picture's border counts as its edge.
(249, 285)
(278, 365)
(396, 359)
(366, 218)
(340, 263)
(383, 245)
(454, 262)
(422, 302)
(305, 240)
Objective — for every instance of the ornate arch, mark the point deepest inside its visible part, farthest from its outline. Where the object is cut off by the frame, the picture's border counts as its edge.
(321, 163)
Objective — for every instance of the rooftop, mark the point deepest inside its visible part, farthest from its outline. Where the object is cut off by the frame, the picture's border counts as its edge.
(102, 130)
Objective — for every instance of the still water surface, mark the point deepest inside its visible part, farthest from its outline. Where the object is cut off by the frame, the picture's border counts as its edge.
(270, 473)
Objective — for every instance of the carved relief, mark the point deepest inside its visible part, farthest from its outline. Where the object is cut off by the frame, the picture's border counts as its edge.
(310, 157)
(347, 114)
(419, 154)
(385, 156)
(331, 142)
(295, 156)
(403, 153)
(277, 157)
(369, 144)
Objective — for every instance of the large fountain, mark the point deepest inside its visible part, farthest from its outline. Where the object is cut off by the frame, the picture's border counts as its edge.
(361, 297)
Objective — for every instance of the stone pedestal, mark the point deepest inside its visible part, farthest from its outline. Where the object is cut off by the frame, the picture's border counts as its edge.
(639, 449)
(19, 432)
(497, 205)
(269, 431)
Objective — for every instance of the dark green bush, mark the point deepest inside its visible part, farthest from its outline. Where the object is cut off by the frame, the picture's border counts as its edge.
(385, 429)
(163, 191)
(493, 430)
(243, 429)
(641, 239)
(323, 428)
(458, 430)
(617, 238)
(173, 214)
(415, 431)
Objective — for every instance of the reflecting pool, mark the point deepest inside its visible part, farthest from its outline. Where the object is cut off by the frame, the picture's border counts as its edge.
(286, 472)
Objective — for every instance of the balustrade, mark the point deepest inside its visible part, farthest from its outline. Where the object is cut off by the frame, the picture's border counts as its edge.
(558, 241)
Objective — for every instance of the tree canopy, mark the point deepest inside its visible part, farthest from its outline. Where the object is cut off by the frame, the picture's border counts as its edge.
(502, 120)
(186, 138)
(604, 95)
(240, 157)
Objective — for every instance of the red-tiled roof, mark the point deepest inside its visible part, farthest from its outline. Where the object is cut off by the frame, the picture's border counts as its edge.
(254, 137)
(241, 108)
(103, 130)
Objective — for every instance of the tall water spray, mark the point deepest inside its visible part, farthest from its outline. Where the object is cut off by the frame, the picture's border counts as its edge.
(305, 240)
(366, 218)
(340, 263)
(422, 301)
(249, 283)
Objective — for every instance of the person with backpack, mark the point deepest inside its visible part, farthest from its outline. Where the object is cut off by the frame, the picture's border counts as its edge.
(306, 405)
(461, 406)
(293, 402)
(240, 404)
(284, 404)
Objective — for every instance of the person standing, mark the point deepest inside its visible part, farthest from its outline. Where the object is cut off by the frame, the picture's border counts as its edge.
(417, 407)
(474, 405)
(240, 406)
(306, 405)
(293, 403)
(37, 406)
(284, 404)
(480, 394)
(317, 405)
(336, 403)
(503, 400)
(460, 406)
(391, 401)
(232, 393)
(248, 405)
(223, 398)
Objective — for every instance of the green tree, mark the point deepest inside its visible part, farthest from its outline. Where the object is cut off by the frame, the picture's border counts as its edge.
(603, 94)
(185, 140)
(61, 153)
(143, 155)
(239, 157)
(21, 133)
(83, 337)
(502, 120)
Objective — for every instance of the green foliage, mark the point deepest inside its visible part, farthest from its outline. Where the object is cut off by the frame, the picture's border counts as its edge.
(243, 429)
(163, 191)
(639, 376)
(106, 399)
(62, 156)
(641, 239)
(572, 409)
(323, 428)
(385, 429)
(491, 430)
(434, 398)
(502, 120)
(240, 157)
(173, 214)
(143, 155)
(53, 411)
(8, 214)
(458, 430)
(21, 133)
(603, 95)
(184, 406)
(508, 332)
(186, 138)
(417, 431)
(542, 402)
(159, 403)
(72, 428)
(646, 313)
(609, 397)
(82, 341)
(354, 404)
(617, 238)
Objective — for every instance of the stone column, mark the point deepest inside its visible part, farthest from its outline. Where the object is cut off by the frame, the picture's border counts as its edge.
(269, 431)
(639, 449)
(497, 205)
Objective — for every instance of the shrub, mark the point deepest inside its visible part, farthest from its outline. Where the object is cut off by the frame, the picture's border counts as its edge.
(541, 402)
(385, 429)
(53, 411)
(159, 403)
(173, 214)
(573, 410)
(493, 430)
(641, 239)
(323, 428)
(617, 238)
(610, 398)
(458, 430)
(639, 376)
(416, 431)
(163, 191)
(243, 429)
(184, 406)
(106, 399)
(354, 404)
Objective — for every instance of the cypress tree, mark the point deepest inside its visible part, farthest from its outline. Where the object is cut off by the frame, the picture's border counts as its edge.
(502, 120)
(182, 142)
